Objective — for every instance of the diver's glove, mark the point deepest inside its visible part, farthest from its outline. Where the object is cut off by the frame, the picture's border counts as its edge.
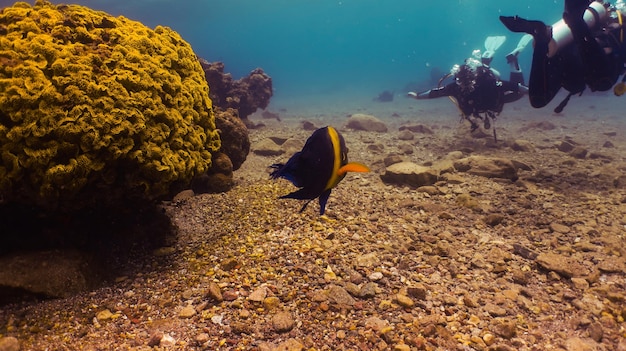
(412, 94)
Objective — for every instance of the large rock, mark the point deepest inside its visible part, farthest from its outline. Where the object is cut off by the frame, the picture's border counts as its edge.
(409, 173)
(234, 136)
(369, 123)
(47, 273)
(490, 167)
(246, 95)
(267, 147)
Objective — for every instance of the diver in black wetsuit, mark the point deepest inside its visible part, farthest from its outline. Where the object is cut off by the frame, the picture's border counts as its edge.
(478, 91)
(595, 57)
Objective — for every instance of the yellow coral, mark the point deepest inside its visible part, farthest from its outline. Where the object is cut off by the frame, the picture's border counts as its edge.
(91, 102)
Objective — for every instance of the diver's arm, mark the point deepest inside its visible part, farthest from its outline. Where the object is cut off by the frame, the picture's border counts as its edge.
(431, 93)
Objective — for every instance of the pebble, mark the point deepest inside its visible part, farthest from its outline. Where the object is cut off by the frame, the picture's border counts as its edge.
(340, 296)
(258, 295)
(214, 292)
(404, 301)
(167, 341)
(375, 276)
(580, 283)
(155, 339)
(187, 312)
(283, 322)
(9, 343)
(504, 328)
(495, 310)
(559, 228)
(271, 303)
(417, 291)
(367, 260)
(202, 338)
(104, 315)
(289, 345)
(595, 331)
(401, 347)
(368, 290)
(230, 295)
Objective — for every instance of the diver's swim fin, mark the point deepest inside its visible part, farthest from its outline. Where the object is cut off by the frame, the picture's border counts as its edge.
(511, 58)
(523, 42)
(491, 45)
(540, 32)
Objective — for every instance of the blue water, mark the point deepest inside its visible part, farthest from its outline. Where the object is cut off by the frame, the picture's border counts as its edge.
(357, 48)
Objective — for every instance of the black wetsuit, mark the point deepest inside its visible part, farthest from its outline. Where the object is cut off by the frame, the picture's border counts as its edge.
(582, 63)
(488, 96)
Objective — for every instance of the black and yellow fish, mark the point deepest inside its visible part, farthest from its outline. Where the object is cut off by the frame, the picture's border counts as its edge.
(318, 167)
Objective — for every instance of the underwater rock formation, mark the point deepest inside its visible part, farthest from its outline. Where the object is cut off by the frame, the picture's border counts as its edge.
(234, 136)
(246, 95)
(95, 108)
(385, 96)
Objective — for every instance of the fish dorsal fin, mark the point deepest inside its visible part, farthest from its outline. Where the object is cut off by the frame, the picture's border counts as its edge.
(353, 167)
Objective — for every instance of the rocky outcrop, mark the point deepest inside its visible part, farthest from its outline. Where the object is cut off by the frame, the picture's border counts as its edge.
(234, 136)
(368, 123)
(409, 173)
(489, 167)
(246, 95)
(57, 273)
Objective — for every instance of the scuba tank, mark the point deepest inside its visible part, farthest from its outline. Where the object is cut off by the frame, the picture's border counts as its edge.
(562, 35)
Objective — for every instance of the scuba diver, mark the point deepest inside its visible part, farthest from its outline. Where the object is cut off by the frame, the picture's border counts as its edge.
(477, 90)
(584, 49)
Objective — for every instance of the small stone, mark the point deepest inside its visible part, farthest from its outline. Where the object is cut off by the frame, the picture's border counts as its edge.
(579, 152)
(595, 331)
(167, 341)
(187, 312)
(271, 303)
(164, 251)
(155, 339)
(283, 322)
(404, 301)
(9, 343)
(559, 228)
(202, 338)
(565, 146)
(580, 344)
(104, 315)
(368, 290)
(367, 260)
(417, 291)
(230, 295)
(401, 347)
(258, 295)
(375, 276)
(489, 339)
(580, 283)
(505, 329)
(289, 345)
(495, 310)
(493, 219)
(215, 292)
(340, 296)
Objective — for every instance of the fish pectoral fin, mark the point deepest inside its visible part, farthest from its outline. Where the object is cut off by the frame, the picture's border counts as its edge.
(353, 167)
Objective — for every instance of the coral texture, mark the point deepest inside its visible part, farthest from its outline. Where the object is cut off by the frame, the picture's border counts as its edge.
(97, 107)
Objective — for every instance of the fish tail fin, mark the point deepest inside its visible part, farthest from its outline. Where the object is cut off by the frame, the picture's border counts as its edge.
(277, 168)
(353, 167)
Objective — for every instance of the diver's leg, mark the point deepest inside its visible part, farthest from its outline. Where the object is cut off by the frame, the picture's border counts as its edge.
(598, 67)
(545, 78)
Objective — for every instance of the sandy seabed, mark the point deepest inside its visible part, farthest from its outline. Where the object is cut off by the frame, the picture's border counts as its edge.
(535, 264)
